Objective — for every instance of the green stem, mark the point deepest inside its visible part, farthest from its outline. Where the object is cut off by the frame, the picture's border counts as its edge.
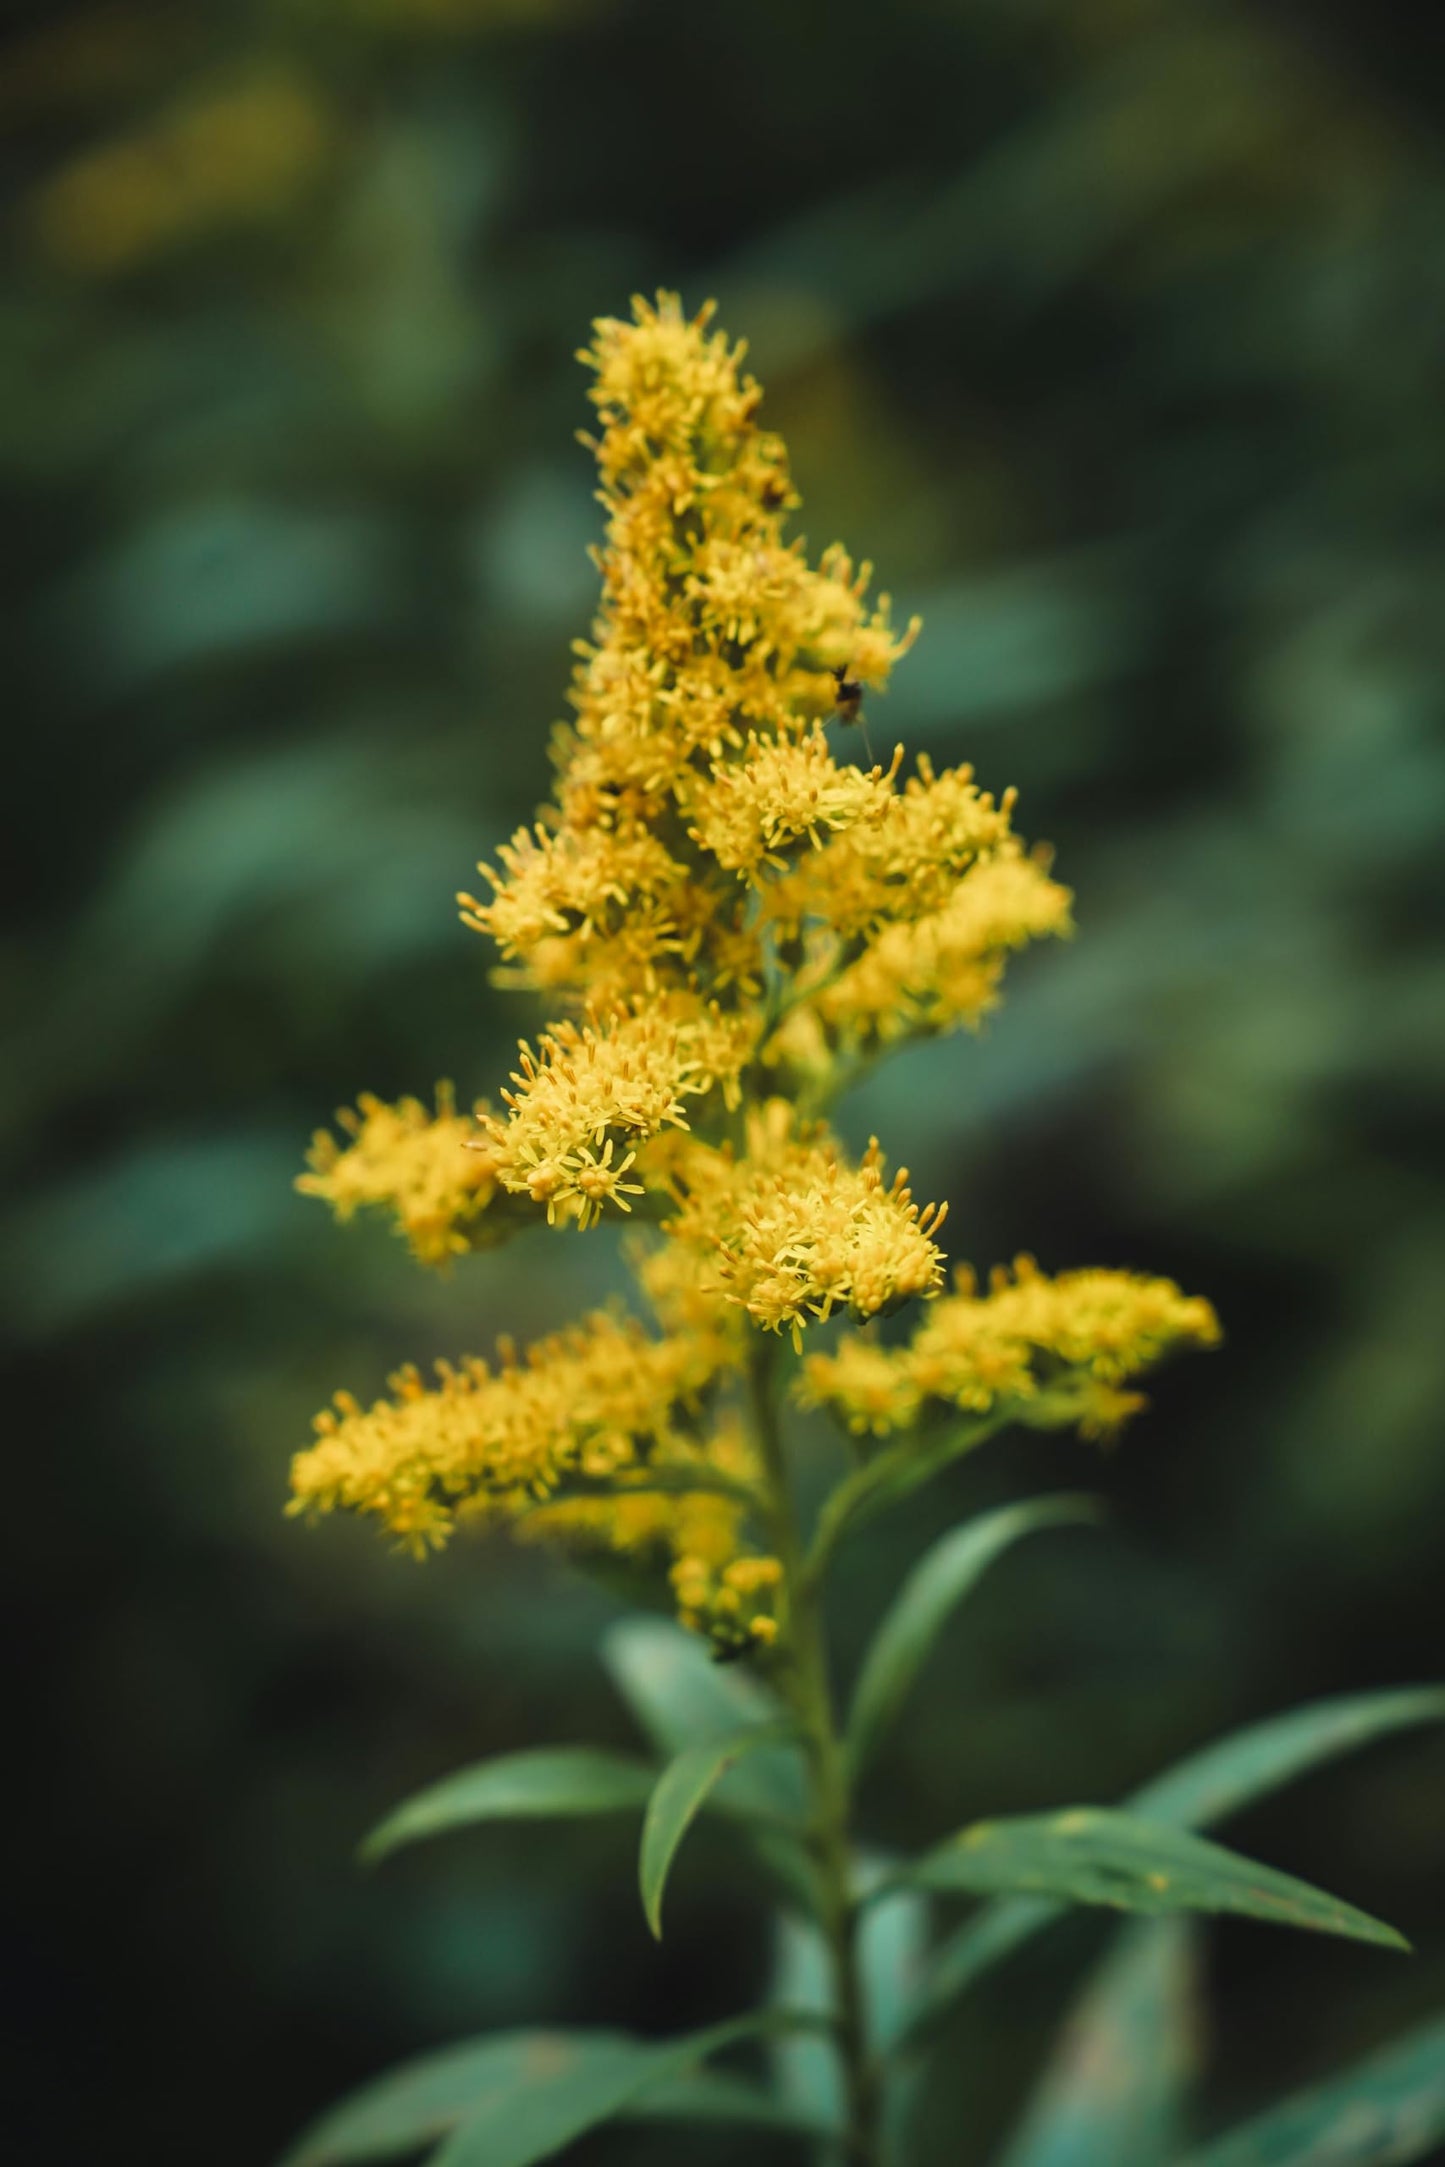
(888, 1477)
(805, 1680)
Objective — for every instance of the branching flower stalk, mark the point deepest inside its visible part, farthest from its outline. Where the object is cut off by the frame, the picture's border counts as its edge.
(727, 920)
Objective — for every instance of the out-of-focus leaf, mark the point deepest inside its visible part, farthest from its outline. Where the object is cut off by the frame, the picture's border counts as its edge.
(514, 2097)
(1199, 1791)
(682, 1698)
(940, 1580)
(680, 1793)
(710, 2095)
(1222, 1778)
(1029, 635)
(553, 1783)
(892, 1949)
(807, 2071)
(1387, 2112)
(1115, 2092)
(550, 2110)
(1093, 1855)
(135, 1226)
(235, 574)
(423, 2100)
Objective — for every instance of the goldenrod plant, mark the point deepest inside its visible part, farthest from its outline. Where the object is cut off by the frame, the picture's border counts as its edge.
(731, 920)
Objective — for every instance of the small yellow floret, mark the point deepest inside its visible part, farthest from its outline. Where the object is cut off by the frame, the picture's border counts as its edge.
(797, 1232)
(592, 1093)
(429, 1170)
(593, 1402)
(942, 970)
(1055, 1351)
(870, 1386)
(748, 811)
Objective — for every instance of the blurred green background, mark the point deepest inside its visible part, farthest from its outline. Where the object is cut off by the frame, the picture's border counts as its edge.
(1112, 330)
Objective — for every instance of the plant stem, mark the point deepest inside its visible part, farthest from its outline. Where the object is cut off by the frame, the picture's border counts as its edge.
(805, 1680)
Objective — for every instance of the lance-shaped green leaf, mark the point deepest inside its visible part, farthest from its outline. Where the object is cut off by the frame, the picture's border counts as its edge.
(553, 2110)
(682, 1698)
(678, 1797)
(1115, 2092)
(937, 1583)
(1222, 1778)
(1219, 1780)
(424, 2100)
(513, 2097)
(715, 2096)
(1387, 2112)
(553, 1783)
(1093, 1855)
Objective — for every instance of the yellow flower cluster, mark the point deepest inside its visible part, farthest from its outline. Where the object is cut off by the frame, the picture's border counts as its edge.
(727, 916)
(795, 1232)
(592, 1093)
(720, 1587)
(1054, 1351)
(423, 1169)
(591, 1440)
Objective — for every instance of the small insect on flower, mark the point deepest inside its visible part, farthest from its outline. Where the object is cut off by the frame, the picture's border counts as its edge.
(848, 701)
(849, 698)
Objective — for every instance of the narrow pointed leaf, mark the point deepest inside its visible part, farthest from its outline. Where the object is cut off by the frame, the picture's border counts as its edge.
(940, 1581)
(1092, 1855)
(713, 2096)
(557, 2106)
(1115, 2092)
(1387, 2112)
(1222, 1778)
(513, 2097)
(679, 1795)
(682, 1698)
(424, 2100)
(1205, 1788)
(552, 1783)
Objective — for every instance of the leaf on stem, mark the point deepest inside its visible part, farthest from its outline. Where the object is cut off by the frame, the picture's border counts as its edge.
(1386, 2112)
(1209, 1785)
(682, 1698)
(515, 2097)
(679, 1795)
(552, 1783)
(1114, 2094)
(714, 2096)
(1093, 1855)
(424, 2100)
(941, 1580)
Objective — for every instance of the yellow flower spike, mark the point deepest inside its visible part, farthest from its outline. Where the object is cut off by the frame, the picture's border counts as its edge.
(726, 916)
